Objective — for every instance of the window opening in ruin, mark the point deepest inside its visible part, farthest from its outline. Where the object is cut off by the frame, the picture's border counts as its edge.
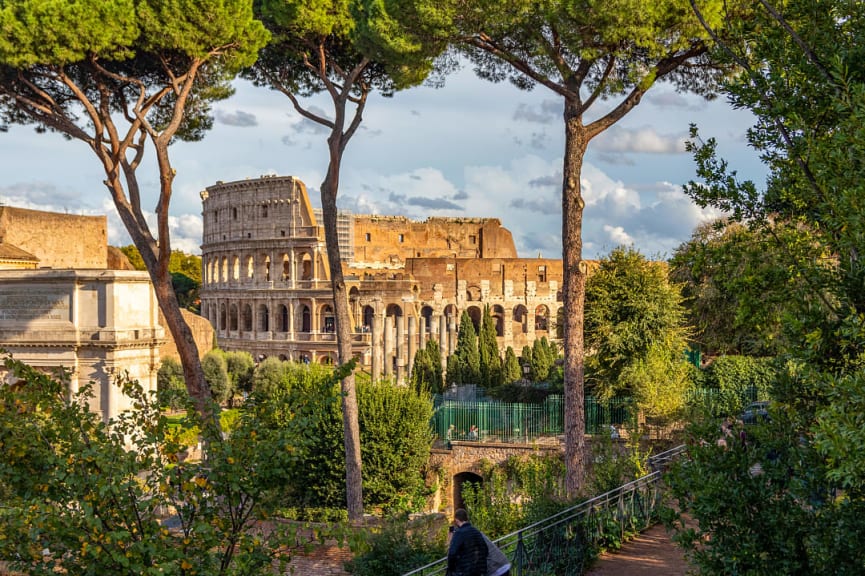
(473, 239)
(283, 318)
(282, 233)
(263, 318)
(286, 268)
(305, 325)
(401, 237)
(234, 213)
(541, 318)
(542, 273)
(368, 237)
(249, 234)
(264, 211)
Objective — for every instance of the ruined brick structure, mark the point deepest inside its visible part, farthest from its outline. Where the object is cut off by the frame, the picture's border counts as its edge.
(266, 286)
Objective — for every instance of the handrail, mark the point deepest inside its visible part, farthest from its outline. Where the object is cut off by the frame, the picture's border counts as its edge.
(565, 539)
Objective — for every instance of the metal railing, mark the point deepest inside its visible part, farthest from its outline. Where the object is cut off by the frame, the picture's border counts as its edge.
(516, 423)
(565, 543)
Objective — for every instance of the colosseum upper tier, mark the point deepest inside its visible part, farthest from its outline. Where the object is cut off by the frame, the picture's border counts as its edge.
(266, 281)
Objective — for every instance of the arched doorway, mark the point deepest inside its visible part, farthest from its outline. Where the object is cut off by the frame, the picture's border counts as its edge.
(459, 480)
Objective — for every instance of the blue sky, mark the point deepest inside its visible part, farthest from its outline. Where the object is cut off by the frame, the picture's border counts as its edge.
(470, 148)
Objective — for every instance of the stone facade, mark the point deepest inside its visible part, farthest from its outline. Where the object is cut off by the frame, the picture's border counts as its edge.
(56, 240)
(266, 286)
(96, 324)
(61, 306)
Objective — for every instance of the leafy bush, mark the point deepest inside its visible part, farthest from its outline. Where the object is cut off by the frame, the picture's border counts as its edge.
(735, 379)
(216, 374)
(171, 385)
(398, 547)
(76, 502)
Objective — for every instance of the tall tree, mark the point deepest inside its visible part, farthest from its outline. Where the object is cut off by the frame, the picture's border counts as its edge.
(635, 328)
(803, 79)
(584, 52)
(119, 76)
(737, 284)
(511, 371)
(346, 50)
(488, 352)
(467, 359)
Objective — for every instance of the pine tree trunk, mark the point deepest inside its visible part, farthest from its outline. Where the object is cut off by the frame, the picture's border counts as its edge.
(574, 272)
(353, 475)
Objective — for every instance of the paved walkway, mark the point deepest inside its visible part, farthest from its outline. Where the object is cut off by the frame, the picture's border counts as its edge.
(652, 553)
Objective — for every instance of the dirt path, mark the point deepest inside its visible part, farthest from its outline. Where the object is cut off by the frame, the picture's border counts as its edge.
(652, 553)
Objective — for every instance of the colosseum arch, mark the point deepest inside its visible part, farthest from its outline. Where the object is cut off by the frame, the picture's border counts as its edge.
(286, 267)
(306, 267)
(235, 268)
(223, 317)
(282, 318)
(542, 318)
(521, 320)
(368, 317)
(265, 267)
(393, 310)
(232, 318)
(475, 314)
(263, 318)
(326, 359)
(498, 314)
(326, 319)
(246, 317)
(250, 268)
(223, 277)
(426, 312)
(304, 318)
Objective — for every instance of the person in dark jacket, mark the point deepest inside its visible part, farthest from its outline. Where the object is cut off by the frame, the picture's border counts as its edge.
(467, 555)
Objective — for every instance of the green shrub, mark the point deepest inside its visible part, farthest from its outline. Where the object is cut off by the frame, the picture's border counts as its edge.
(398, 547)
(735, 379)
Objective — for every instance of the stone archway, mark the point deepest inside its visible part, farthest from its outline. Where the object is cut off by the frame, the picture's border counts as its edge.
(459, 480)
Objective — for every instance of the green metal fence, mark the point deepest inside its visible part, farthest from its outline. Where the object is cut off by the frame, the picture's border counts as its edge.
(513, 423)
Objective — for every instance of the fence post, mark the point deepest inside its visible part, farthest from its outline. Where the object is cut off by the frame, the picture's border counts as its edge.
(518, 556)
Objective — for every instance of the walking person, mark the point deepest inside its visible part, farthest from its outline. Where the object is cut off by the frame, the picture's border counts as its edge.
(467, 555)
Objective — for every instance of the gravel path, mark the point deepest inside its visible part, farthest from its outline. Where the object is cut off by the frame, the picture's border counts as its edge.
(652, 553)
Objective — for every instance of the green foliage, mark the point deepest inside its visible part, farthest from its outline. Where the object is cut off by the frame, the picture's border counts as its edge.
(77, 502)
(240, 366)
(635, 329)
(515, 494)
(488, 352)
(394, 430)
(542, 359)
(734, 377)
(466, 365)
(216, 374)
(426, 373)
(170, 384)
(511, 370)
(400, 546)
(802, 80)
(737, 284)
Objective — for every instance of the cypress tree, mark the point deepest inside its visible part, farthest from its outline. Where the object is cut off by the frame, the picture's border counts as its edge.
(467, 352)
(488, 352)
(434, 354)
(511, 372)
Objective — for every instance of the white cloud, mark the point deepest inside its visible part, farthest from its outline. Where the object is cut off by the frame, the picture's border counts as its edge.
(644, 140)
(618, 235)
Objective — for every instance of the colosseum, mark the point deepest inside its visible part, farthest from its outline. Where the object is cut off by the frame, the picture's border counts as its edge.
(266, 286)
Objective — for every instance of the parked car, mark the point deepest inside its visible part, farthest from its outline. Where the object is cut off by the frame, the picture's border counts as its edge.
(756, 412)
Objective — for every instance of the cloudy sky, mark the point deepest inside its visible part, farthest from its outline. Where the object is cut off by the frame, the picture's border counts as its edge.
(471, 148)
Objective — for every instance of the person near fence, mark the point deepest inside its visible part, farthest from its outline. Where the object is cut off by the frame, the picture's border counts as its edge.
(467, 554)
(473, 432)
(497, 563)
